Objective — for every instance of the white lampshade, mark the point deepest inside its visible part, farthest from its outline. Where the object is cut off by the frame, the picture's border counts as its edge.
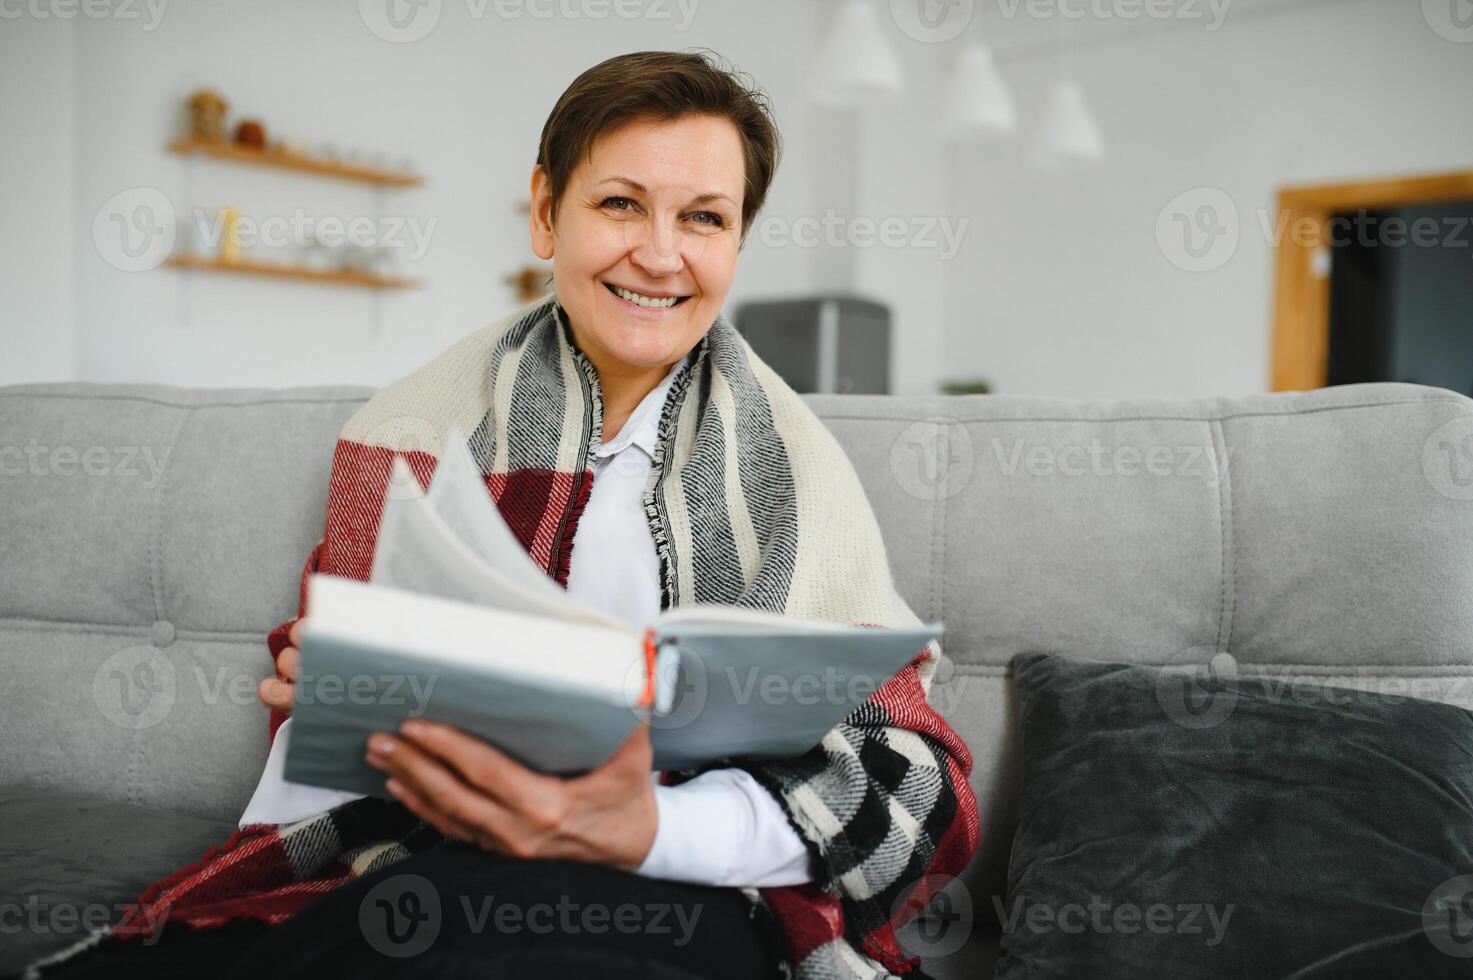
(978, 100)
(1069, 132)
(856, 63)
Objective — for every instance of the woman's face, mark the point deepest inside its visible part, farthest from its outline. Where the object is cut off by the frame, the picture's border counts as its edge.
(646, 240)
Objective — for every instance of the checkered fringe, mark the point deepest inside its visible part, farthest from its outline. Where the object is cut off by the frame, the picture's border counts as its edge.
(753, 503)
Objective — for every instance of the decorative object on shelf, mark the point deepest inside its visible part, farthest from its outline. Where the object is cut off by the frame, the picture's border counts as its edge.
(978, 101)
(856, 64)
(250, 132)
(530, 282)
(228, 250)
(207, 115)
(968, 386)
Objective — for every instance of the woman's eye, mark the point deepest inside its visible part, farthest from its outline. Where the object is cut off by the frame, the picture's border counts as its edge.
(710, 218)
(617, 203)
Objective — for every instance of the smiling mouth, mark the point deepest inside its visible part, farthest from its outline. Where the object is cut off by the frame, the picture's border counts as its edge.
(643, 301)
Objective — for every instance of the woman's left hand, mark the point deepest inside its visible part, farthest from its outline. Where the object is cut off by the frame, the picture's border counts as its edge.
(468, 790)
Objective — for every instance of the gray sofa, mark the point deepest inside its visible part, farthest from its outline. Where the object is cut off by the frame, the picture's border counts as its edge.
(150, 536)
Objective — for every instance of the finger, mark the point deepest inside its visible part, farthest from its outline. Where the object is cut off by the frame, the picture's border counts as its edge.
(276, 693)
(426, 811)
(443, 790)
(294, 635)
(477, 763)
(289, 663)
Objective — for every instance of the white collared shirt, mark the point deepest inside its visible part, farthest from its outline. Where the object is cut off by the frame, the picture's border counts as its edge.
(720, 828)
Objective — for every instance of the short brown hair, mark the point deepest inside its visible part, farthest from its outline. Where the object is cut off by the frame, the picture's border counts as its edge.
(665, 85)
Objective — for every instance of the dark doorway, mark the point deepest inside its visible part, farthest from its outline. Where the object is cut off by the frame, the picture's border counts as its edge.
(1401, 296)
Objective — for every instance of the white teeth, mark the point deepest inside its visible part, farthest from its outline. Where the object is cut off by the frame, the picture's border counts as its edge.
(648, 302)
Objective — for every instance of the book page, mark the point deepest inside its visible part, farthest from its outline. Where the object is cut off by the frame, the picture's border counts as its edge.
(418, 551)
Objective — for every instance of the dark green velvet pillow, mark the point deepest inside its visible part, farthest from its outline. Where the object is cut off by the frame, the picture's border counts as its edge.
(1228, 826)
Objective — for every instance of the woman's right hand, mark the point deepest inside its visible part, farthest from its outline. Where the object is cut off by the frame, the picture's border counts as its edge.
(278, 692)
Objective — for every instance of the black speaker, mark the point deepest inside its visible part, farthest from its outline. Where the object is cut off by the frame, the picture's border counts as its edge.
(824, 345)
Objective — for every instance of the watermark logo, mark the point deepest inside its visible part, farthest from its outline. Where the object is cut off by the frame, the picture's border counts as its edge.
(135, 688)
(134, 230)
(1198, 688)
(1198, 230)
(400, 21)
(1452, 20)
(409, 235)
(408, 436)
(407, 21)
(400, 916)
(1447, 917)
(151, 12)
(932, 21)
(1096, 459)
(1107, 916)
(939, 914)
(37, 917)
(1212, 13)
(1447, 458)
(932, 459)
(922, 233)
(123, 462)
(686, 680)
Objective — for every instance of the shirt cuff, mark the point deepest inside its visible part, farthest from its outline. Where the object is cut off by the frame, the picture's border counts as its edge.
(722, 828)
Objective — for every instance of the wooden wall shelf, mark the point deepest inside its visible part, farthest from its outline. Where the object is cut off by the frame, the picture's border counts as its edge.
(321, 166)
(337, 277)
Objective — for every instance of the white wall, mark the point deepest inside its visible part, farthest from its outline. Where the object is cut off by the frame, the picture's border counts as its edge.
(467, 102)
(38, 132)
(1061, 288)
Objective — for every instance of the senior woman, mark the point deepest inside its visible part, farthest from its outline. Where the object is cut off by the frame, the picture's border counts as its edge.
(646, 458)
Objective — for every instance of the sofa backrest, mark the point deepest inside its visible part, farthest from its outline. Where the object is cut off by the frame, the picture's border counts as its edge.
(150, 536)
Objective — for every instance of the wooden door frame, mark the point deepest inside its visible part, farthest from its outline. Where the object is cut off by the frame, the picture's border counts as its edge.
(1301, 332)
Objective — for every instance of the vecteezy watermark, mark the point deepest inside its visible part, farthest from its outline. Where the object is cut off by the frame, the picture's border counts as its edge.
(404, 915)
(1212, 13)
(1103, 916)
(1447, 458)
(932, 21)
(1198, 229)
(933, 233)
(1452, 20)
(123, 462)
(300, 229)
(1096, 459)
(1447, 917)
(134, 230)
(401, 916)
(409, 691)
(932, 459)
(1198, 687)
(937, 914)
(149, 12)
(35, 917)
(406, 21)
(136, 687)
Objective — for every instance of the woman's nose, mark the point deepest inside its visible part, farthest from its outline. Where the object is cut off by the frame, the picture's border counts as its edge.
(658, 249)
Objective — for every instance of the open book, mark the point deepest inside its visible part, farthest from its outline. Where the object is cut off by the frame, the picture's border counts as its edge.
(457, 624)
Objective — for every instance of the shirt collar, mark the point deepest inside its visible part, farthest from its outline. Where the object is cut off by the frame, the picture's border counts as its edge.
(642, 429)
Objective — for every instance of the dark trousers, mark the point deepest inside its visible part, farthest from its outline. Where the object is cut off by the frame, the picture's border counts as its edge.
(458, 911)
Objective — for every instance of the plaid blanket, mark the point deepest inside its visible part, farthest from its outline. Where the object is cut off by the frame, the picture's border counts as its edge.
(753, 503)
